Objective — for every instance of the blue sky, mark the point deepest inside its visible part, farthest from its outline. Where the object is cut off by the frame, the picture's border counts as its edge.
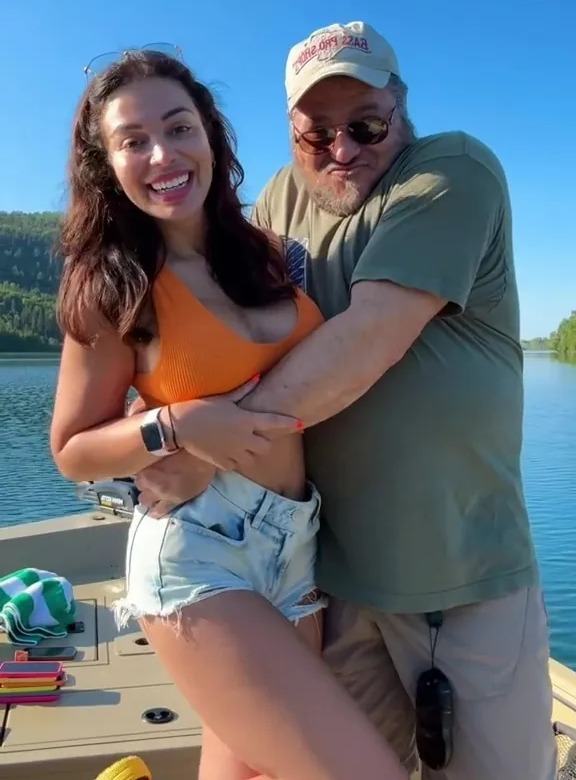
(501, 69)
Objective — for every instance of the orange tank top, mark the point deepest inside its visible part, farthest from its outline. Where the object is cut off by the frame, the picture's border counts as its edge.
(199, 354)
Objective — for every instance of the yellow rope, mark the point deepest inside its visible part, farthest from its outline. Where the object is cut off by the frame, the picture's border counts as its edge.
(129, 768)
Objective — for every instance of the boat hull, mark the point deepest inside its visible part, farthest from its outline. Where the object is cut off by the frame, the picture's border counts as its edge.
(118, 700)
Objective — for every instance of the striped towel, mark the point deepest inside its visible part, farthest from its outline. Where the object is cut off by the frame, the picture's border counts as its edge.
(35, 605)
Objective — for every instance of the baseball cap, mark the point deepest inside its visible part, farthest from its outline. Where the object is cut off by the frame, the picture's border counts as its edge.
(354, 49)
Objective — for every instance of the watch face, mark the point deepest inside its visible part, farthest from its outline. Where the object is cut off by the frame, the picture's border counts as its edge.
(151, 437)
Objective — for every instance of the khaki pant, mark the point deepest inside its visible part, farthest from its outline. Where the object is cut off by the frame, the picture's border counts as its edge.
(495, 654)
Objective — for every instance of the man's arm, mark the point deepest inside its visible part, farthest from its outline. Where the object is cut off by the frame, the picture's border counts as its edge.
(341, 360)
(422, 260)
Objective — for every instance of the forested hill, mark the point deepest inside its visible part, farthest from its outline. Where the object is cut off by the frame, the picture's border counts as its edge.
(28, 282)
(29, 275)
(563, 340)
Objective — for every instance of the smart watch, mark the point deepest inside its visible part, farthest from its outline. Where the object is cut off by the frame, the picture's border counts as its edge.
(153, 435)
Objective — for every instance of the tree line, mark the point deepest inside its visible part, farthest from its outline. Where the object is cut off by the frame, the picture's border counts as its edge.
(27, 321)
(29, 275)
(538, 344)
(563, 340)
(26, 250)
(30, 271)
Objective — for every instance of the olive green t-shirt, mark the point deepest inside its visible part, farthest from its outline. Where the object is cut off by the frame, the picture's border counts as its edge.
(423, 505)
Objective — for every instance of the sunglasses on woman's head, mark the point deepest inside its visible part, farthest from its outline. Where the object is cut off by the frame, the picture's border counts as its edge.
(365, 132)
(102, 61)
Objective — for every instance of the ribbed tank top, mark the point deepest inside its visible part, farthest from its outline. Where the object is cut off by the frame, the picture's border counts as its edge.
(199, 354)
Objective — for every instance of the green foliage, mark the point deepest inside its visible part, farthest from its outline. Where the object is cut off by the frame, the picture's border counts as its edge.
(26, 245)
(539, 343)
(29, 275)
(27, 320)
(563, 340)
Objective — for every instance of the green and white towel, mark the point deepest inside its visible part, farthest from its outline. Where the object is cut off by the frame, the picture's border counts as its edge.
(35, 605)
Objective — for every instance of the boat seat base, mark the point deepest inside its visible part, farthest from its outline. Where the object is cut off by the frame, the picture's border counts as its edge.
(117, 701)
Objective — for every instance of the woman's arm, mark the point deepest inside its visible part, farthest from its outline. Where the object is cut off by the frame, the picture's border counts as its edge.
(91, 438)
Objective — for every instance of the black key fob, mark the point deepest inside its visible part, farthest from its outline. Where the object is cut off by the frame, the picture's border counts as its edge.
(434, 718)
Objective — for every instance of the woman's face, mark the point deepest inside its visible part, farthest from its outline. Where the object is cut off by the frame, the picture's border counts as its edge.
(158, 148)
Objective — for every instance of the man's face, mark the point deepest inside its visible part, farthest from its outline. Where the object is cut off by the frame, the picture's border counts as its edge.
(342, 175)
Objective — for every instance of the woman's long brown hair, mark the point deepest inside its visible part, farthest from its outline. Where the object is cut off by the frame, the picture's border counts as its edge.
(113, 251)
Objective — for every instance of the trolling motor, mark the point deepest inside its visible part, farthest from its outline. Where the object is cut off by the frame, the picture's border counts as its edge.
(118, 496)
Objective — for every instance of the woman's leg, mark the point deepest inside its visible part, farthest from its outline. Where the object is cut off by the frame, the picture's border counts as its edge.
(268, 698)
(218, 762)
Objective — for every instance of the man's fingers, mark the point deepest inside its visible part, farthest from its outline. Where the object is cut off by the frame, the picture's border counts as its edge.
(260, 445)
(161, 509)
(154, 476)
(240, 392)
(147, 497)
(136, 407)
(143, 482)
(269, 424)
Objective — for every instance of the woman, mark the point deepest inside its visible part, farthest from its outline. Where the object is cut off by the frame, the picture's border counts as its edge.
(169, 289)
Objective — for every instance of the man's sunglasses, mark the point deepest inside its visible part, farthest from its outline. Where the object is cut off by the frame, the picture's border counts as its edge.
(365, 132)
(102, 61)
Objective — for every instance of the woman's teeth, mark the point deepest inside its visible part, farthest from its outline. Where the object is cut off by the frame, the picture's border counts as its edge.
(171, 184)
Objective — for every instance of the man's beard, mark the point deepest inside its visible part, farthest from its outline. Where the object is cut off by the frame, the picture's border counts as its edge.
(342, 201)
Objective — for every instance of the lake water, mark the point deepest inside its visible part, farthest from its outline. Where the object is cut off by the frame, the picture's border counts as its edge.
(31, 488)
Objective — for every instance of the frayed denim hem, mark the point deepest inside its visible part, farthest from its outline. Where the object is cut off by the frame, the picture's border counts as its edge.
(125, 610)
(310, 602)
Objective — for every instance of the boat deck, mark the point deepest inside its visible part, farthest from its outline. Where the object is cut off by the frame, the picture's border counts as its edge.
(115, 678)
(113, 681)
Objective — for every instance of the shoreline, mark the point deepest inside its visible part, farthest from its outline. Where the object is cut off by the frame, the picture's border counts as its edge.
(30, 355)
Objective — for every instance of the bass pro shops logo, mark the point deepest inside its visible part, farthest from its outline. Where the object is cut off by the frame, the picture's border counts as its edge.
(325, 47)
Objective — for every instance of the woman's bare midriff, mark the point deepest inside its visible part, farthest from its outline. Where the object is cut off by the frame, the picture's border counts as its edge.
(281, 469)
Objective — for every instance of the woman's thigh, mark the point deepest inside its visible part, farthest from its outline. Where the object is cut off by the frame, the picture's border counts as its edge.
(218, 761)
(257, 686)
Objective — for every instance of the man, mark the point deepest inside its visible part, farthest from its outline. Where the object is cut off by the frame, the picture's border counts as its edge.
(412, 396)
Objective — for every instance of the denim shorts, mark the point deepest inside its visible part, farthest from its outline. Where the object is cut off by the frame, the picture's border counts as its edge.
(234, 536)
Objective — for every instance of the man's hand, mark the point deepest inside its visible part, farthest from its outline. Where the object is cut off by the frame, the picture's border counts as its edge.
(178, 478)
(172, 481)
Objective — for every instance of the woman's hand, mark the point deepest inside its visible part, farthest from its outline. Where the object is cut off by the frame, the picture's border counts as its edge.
(219, 432)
